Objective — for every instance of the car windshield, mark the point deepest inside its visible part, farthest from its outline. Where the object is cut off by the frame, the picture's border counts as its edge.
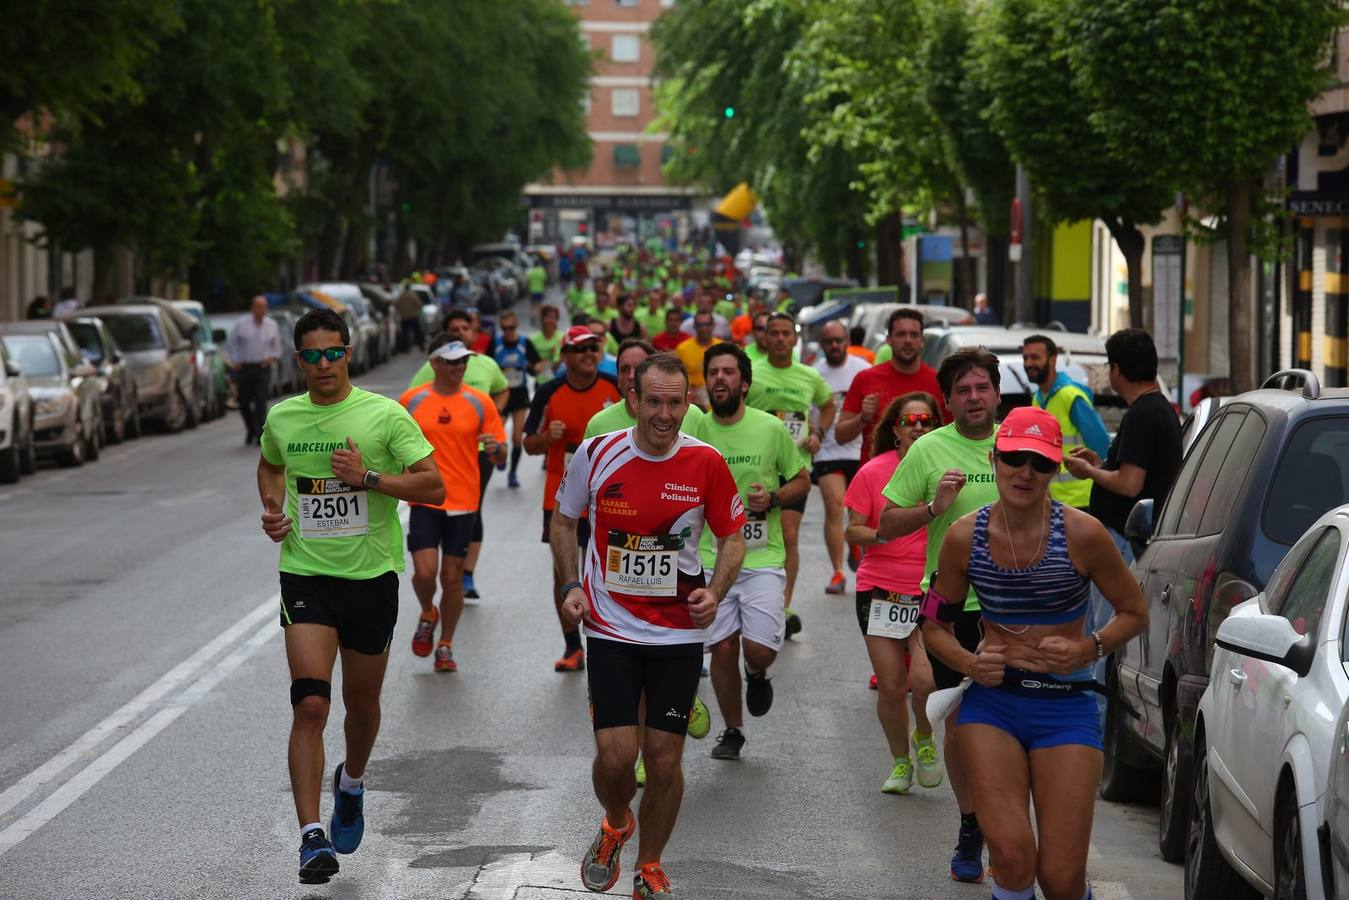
(204, 332)
(34, 353)
(1312, 478)
(86, 335)
(135, 332)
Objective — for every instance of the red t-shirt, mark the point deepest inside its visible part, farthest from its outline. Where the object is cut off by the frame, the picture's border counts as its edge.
(888, 382)
(559, 400)
(666, 343)
(895, 565)
(647, 516)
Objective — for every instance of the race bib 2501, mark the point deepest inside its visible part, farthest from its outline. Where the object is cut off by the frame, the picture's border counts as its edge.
(329, 507)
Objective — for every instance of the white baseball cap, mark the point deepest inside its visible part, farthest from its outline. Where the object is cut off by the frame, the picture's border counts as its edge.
(451, 352)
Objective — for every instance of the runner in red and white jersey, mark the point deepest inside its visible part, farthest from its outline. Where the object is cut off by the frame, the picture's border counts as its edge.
(650, 491)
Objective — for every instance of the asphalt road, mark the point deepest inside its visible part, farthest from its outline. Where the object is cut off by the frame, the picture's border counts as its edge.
(145, 710)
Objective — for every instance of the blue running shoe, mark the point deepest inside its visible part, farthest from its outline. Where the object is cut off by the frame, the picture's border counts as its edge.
(470, 589)
(348, 822)
(967, 863)
(512, 481)
(318, 862)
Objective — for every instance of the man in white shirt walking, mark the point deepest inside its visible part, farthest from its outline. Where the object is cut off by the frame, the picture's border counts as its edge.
(836, 463)
(253, 346)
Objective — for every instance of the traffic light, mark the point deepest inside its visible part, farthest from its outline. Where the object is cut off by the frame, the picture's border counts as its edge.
(861, 245)
(729, 112)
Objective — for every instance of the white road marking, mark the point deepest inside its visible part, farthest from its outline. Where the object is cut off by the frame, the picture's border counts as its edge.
(133, 708)
(89, 776)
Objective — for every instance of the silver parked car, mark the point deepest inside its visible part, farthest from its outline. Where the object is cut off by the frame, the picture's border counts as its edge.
(18, 450)
(68, 402)
(161, 355)
(121, 408)
(210, 363)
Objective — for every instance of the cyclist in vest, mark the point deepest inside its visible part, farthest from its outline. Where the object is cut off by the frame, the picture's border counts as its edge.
(1071, 404)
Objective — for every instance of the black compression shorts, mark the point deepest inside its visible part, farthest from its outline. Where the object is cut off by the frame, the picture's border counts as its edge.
(969, 634)
(619, 674)
(431, 528)
(800, 505)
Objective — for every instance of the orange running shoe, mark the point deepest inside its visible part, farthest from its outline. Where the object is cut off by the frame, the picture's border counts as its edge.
(650, 882)
(575, 661)
(445, 658)
(423, 638)
(599, 869)
(838, 584)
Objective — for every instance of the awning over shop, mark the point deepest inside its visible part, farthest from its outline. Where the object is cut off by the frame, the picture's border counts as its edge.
(737, 204)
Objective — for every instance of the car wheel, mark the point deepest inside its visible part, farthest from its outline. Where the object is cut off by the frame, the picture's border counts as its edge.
(9, 458)
(1120, 782)
(1290, 875)
(1173, 822)
(116, 432)
(176, 415)
(1208, 876)
(74, 454)
(28, 455)
(191, 418)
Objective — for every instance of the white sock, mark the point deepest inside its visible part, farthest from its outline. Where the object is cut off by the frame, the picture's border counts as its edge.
(312, 826)
(1002, 893)
(348, 784)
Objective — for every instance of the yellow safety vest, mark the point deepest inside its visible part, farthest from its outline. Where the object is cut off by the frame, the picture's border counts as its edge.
(1065, 488)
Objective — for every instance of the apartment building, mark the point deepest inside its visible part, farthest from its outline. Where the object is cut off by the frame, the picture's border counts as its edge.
(622, 193)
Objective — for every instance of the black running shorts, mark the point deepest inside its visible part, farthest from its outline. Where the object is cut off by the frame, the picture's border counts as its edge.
(518, 398)
(969, 634)
(431, 528)
(364, 611)
(845, 467)
(800, 505)
(619, 674)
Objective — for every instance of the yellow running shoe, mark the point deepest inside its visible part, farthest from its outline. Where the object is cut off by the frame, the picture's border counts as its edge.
(700, 720)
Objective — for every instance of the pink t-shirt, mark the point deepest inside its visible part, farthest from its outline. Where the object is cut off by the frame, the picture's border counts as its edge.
(895, 565)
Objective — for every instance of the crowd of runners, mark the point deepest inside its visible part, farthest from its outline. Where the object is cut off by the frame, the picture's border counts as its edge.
(682, 439)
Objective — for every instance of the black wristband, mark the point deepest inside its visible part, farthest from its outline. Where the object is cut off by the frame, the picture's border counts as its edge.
(567, 588)
(774, 501)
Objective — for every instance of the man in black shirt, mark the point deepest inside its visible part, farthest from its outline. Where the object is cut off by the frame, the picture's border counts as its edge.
(1143, 459)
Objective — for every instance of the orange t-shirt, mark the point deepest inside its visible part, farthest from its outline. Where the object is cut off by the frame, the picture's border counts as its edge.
(862, 353)
(559, 400)
(741, 326)
(452, 424)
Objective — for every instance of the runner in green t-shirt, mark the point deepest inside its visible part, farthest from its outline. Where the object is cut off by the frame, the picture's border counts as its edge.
(537, 276)
(548, 342)
(340, 459)
(651, 314)
(947, 474)
(789, 389)
(767, 468)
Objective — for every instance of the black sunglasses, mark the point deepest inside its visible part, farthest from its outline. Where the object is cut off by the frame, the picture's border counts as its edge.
(332, 353)
(1015, 459)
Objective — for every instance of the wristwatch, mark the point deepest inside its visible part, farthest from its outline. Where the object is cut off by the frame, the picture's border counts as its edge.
(931, 513)
(371, 479)
(567, 588)
(774, 501)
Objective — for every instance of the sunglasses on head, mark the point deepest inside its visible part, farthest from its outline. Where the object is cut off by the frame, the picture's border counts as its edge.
(333, 354)
(915, 419)
(1015, 459)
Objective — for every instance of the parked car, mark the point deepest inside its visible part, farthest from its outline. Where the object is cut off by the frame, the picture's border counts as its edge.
(382, 305)
(68, 406)
(121, 406)
(160, 355)
(1269, 464)
(289, 378)
(1333, 833)
(502, 282)
(1194, 423)
(18, 448)
(337, 294)
(873, 316)
(1263, 736)
(371, 330)
(211, 388)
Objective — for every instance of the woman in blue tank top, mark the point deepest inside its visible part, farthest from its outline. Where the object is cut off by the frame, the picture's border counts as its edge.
(1028, 723)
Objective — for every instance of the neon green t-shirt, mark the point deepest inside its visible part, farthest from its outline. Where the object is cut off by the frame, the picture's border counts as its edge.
(482, 373)
(915, 483)
(755, 354)
(616, 417)
(759, 450)
(549, 348)
(884, 353)
(653, 322)
(789, 393)
(302, 435)
(581, 300)
(606, 315)
(537, 276)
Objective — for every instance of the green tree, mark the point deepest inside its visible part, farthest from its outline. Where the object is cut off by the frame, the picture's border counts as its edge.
(1051, 125)
(69, 61)
(1212, 93)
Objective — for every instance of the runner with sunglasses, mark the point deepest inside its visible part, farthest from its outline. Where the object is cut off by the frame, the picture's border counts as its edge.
(556, 425)
(888, 596)
(339, 458)
(1029, 725)
(943, 476)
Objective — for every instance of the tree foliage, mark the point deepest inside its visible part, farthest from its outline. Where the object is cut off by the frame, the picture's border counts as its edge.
(455, 105)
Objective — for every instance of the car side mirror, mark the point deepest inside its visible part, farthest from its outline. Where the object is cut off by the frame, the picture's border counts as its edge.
(117, 356)
(12, 369)
(1138, 527)
(1269, 638)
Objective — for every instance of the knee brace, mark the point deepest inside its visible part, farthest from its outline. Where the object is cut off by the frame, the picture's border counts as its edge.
(310, 687)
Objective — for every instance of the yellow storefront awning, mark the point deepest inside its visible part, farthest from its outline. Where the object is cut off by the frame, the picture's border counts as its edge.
(737, 204)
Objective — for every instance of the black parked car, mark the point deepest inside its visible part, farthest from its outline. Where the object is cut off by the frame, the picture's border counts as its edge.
(1266, 466)
(121, 406)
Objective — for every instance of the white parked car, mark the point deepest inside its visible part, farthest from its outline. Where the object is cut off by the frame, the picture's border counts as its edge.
(1264, 734)
(1334, 833)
